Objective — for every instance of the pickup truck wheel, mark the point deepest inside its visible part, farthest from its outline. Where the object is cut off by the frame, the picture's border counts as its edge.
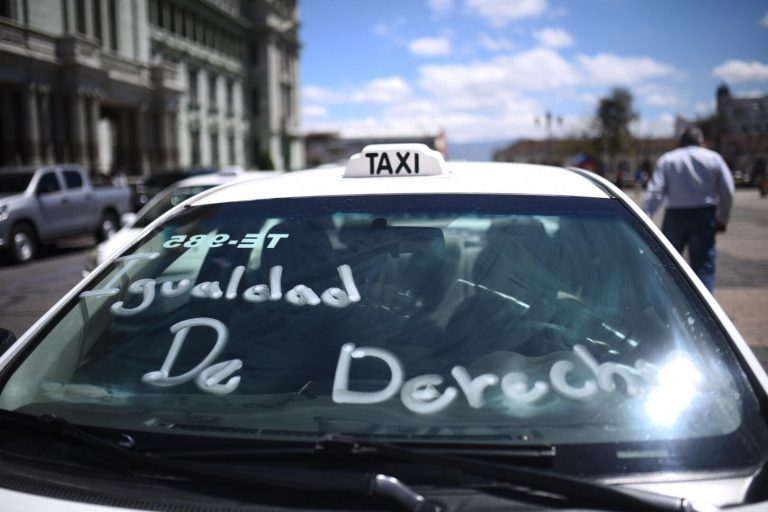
(108, 226)
(23, 243)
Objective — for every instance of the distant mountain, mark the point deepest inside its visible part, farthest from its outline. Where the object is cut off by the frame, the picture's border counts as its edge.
(481, 151)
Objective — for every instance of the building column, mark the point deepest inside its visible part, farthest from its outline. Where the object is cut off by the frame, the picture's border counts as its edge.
(78, 131)
(31, 125)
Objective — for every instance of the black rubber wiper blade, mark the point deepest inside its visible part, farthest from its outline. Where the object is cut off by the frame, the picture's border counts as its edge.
(583, 493)
(340, 482)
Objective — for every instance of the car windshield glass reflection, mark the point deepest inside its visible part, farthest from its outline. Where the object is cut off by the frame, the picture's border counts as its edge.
(166, 202)
(547, 321)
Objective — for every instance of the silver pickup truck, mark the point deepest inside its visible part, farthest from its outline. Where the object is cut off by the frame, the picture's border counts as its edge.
(42, 204)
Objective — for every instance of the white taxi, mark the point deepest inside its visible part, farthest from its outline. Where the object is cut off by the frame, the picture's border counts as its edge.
(401, 333)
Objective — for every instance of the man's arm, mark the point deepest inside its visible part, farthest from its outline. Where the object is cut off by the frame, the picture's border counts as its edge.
(657, 189)
(725, 189)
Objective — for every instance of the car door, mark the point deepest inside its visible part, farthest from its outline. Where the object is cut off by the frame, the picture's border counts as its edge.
(80, 202)
(53, 205)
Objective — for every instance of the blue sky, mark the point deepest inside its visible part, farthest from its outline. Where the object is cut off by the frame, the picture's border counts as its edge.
(487, 69)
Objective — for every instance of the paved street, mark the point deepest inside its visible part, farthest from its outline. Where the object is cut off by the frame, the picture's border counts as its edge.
(742, 275)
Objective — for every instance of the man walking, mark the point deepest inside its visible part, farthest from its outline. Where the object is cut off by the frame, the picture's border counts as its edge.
(698, 188)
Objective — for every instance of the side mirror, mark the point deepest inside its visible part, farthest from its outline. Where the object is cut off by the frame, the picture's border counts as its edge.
(7, 338)
(127, 219)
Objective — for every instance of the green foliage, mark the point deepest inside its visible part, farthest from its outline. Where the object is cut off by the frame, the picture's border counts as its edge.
(265, 162)
(612, 118)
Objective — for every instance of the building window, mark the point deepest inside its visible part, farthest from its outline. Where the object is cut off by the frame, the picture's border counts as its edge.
(193, 101)
(212, 92)
(171, 18)
(190, 24)
(80, 24)
(214, 149)
(199, 32)
(230, 98)
(113, 24)
(231, 144)
(97, 20)
(255, 102)
(7, 9)
(255, 47)
(153, 14)
(286, 100)
(194, 143)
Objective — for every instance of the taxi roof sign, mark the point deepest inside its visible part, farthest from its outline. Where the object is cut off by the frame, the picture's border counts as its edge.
(390, 160)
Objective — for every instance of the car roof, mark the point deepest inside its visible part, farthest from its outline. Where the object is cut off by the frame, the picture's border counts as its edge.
(219, 178)
(458, 178)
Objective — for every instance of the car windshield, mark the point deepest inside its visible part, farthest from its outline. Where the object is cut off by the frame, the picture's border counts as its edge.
(167, 201)
(493, 320)
(14, 183)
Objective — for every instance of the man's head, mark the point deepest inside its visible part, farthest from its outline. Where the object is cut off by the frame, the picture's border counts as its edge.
(692, 136)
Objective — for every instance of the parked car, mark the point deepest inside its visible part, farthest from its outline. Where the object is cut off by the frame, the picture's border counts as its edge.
(145, 190)
(42, 204)
(173, 195)
(398, 334)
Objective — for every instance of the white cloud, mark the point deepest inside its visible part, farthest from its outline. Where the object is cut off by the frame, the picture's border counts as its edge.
(752, 93)
(316, 94)
(661, 126)
(502, 12)
(487, 81)
(554, 38)
(662, 100)
(388, 28)
(741, 71)
(430, 46)
(378, 90)
(764, 20)
(494, 98)
(440, 7)
(609, 69)
(704, 108)
(655, 95)
(496, 44)
(314, 112)
(382, 90)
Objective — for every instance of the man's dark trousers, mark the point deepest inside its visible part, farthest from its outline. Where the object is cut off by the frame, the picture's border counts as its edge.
(696, 229)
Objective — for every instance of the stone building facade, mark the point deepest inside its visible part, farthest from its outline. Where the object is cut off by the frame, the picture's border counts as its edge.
(138, 86)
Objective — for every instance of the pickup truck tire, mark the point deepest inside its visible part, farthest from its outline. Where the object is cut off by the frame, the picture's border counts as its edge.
(23, 243)
(108, 226)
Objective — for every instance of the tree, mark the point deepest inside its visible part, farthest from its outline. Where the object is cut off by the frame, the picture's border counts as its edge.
(264, 163)
(612, 118)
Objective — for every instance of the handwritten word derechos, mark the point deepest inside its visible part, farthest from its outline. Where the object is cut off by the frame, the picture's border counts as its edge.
(419, 394)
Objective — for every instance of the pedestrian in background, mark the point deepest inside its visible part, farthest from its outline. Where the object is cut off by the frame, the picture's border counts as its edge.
(698, 188)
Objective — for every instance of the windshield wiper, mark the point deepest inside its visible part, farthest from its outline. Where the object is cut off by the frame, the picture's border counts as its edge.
(121, 454)
(583, 493)
(571, 490)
